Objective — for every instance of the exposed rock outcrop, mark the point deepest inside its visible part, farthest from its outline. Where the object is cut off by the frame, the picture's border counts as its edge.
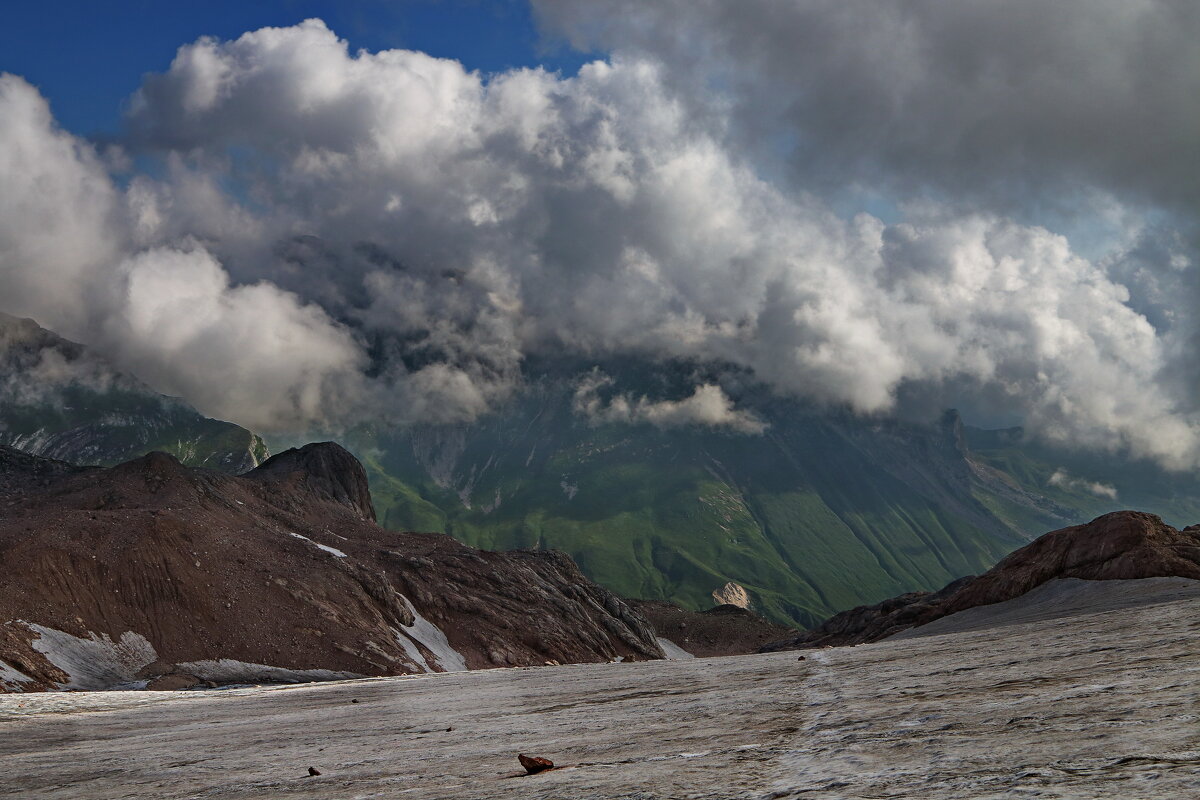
(731, 594)
(324, 469)
(1122, 545)
(1117, 546)
(21, 472)
(152, 571)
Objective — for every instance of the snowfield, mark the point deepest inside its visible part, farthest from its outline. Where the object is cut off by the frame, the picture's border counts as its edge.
(1080, 706)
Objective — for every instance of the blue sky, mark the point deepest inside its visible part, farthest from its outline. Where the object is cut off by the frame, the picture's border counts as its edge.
(88, 57)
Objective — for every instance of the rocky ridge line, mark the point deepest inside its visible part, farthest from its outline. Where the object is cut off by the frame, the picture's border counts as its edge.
(152, 571)
(1122, 545)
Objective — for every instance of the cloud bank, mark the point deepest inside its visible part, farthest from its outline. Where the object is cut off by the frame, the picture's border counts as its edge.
(708, 405)
(1064, 480)
(979, 99)
(69, 257)
(331, 236)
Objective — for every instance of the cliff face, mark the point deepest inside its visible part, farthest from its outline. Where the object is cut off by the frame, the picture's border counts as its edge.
(1122, 545)
(152, 571)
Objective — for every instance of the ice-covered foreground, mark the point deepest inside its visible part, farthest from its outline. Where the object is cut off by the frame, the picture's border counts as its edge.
(1086, 706)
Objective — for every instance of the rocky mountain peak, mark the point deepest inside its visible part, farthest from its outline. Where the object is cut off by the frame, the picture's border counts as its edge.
(1121, 545)
(156, 573)
(61, 400)
(324, 468)
(952, 428)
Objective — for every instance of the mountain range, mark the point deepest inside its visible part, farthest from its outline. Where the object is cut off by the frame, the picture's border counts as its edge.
(812, 511)
(152, 574)
(60, 400)
(155, 574)
(821, 511)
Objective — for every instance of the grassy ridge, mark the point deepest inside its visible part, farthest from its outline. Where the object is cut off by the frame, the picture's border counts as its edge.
(807, 519)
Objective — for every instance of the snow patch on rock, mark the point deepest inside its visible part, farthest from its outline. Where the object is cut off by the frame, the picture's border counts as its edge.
(11, 678)
(96, 662)
(431, 637)
(673, 651)
(331, 550)
(412, 651)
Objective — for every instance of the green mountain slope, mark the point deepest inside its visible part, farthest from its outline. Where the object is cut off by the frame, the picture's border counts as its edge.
(822, 512)
(59, 400)
(1089, 484)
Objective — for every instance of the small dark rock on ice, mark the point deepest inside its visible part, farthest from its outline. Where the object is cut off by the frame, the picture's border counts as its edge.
(534, 764)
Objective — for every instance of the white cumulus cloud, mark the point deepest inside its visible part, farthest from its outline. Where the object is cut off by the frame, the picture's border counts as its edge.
(332, 234)
(1064, 480)
(708, 405)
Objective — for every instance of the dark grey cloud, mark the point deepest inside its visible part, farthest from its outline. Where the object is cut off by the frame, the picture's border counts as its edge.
(977, 99)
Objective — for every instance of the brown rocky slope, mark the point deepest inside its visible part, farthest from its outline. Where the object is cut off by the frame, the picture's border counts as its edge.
(153, 571)
(1118, 546)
